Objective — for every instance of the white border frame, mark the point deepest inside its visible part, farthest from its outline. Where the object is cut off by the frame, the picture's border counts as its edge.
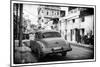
(48, 3)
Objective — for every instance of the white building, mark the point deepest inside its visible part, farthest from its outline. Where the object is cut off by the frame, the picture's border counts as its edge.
(62, 22)
(78, 26)
(49, 14)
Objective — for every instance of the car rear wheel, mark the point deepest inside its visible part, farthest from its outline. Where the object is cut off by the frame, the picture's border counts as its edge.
(64, 54)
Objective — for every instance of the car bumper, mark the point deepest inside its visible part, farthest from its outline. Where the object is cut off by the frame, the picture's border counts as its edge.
(51, 51)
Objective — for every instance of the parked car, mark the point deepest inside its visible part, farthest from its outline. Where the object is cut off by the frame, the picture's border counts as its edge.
(25, 36)
(49, 42)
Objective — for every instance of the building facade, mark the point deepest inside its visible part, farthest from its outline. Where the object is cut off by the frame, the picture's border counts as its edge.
(48, 16)
(77, 25)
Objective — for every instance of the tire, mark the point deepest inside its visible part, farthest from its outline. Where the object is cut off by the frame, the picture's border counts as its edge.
(64, 54)
(39, 54)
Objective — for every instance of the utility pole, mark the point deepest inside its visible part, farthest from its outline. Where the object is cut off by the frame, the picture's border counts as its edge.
(20, 24)
(17, 20)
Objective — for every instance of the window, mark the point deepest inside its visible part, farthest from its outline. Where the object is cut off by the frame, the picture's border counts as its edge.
(47, 12)
(52, 12)
(42, 20)
(51, 34)
(82, 19)
(58, 13)
(83, 31)
(73, 20)
(38, 35)
(42, 11)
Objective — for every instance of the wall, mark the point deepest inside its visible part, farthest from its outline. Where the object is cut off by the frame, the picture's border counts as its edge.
(87, 24)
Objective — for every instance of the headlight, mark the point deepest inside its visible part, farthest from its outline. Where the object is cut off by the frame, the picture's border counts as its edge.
(41, 44)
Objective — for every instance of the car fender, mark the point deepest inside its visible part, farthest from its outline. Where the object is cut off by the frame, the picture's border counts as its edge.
(33, 46)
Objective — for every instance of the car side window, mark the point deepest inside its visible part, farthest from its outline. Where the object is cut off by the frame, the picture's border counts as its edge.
(37, 35)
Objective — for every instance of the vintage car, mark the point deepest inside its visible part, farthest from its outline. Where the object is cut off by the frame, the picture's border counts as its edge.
(49, 42)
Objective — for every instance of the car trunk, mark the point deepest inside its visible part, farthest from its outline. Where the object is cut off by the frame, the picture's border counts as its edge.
(54, 42)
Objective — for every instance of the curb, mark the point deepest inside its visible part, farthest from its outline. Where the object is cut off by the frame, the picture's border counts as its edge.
(82, 45)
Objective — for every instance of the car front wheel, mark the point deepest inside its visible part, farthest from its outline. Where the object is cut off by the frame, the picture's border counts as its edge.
(39, 54)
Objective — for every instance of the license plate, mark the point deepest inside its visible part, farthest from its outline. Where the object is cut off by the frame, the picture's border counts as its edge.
(57, 48)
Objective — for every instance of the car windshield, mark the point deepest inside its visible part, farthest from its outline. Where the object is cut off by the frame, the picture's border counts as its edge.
(51, 34)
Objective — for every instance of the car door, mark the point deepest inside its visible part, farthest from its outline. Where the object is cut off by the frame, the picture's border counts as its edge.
(37, 38)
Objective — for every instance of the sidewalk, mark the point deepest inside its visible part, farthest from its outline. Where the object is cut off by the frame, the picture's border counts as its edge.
(23, 53)
(82, 45)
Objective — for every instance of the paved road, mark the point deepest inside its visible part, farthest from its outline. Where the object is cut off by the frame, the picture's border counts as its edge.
(77, 53)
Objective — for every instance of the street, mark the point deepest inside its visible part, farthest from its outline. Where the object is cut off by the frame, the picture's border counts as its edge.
(77, 53)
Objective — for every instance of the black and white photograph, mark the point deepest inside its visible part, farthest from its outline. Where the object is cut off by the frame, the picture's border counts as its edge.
(51, 33)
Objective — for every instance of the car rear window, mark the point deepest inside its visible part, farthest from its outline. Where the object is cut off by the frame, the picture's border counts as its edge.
(51, 34)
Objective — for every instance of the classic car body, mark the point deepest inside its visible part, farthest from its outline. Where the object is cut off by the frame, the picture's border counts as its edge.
(49, 42)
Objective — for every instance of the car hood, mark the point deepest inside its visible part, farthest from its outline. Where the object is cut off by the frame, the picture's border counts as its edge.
(54, 42)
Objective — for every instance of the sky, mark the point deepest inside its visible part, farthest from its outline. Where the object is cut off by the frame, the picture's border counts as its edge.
(30, 12)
